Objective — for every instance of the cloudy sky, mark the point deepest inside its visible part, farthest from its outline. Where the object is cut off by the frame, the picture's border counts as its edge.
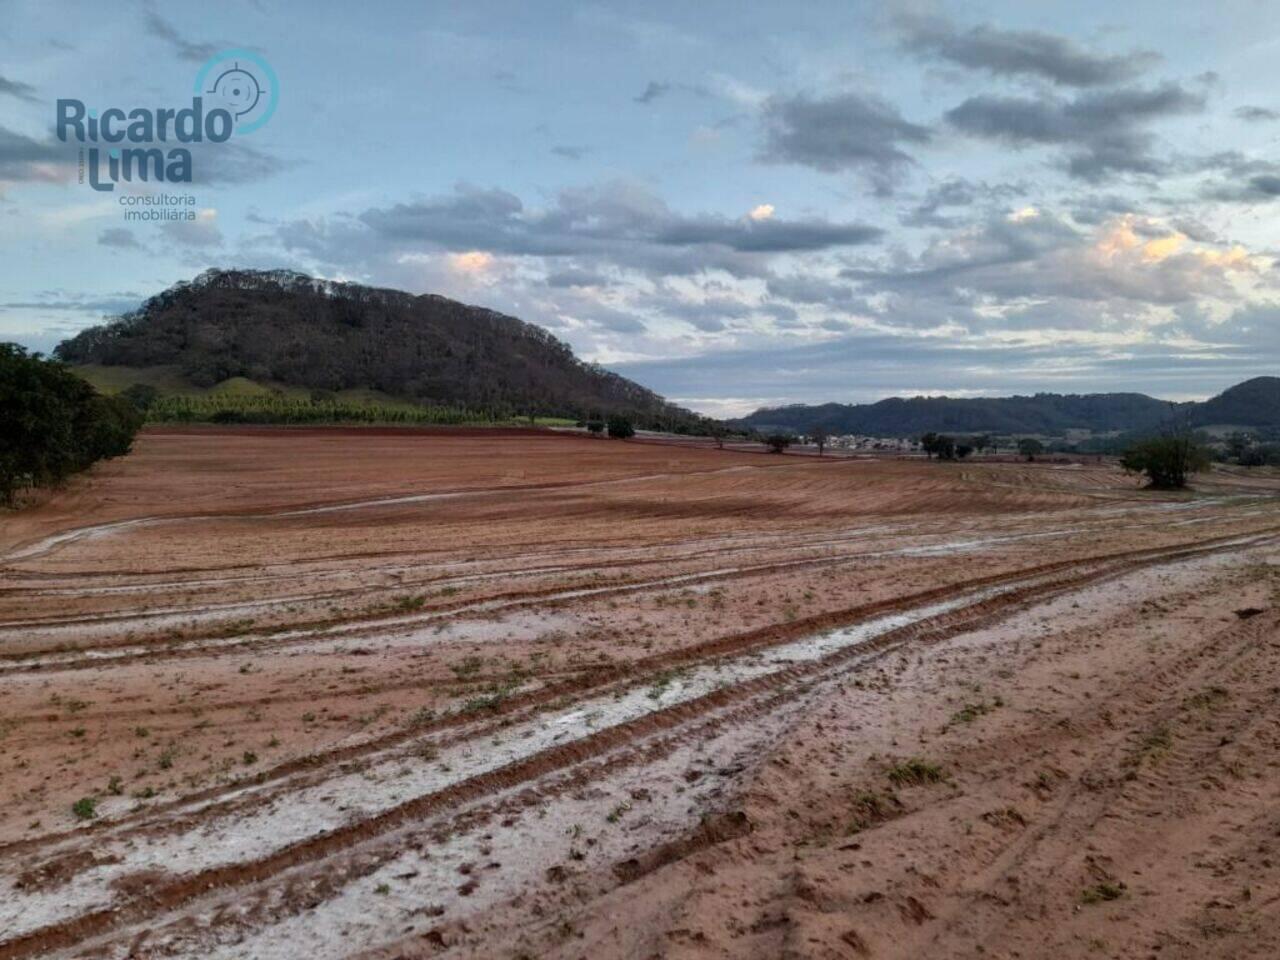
(735, 204)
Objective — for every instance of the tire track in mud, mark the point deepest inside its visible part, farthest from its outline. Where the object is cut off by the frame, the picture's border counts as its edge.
(73, 584)
(632, 556)
(322, 885)
(219, 640)
(1123, 780)
(597, 678)
(1019, 592)
(218, 615)
(54, 542)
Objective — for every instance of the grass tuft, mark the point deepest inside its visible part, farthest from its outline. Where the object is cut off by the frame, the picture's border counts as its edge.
(915, 772)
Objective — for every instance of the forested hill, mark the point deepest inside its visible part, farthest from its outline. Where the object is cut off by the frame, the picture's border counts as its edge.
(287, 328)
(1254, 403)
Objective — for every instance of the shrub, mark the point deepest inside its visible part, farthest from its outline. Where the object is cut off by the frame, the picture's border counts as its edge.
(941, 446)
(86, 808)
(1030, 448)
(777, 442)
(1102, 892)
(620, 428)
(915, 771)
(1167, 461)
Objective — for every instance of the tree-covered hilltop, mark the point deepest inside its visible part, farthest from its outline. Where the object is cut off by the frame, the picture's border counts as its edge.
(52, 423)
(289, 329)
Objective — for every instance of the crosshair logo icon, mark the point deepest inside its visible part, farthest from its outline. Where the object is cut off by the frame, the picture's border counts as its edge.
(239, 89)
(242, 82)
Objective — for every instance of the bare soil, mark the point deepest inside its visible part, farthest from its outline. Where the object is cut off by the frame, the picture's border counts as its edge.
(415, 693)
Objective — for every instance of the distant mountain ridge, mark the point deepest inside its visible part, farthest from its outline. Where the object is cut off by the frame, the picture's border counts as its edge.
(288, 328)
(1253, 403)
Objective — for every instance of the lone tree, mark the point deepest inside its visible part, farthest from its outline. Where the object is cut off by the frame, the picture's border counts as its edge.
(819, 437)
(620, 428)
(777, 442)
(1030, 448)
(939, 445)
(1168, 460)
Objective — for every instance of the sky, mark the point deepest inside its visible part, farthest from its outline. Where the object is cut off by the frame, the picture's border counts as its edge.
(738, 205)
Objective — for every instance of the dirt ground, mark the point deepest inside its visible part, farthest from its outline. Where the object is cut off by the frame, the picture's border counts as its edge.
(416, 693)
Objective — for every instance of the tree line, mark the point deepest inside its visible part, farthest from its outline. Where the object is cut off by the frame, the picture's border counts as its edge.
(53, 423)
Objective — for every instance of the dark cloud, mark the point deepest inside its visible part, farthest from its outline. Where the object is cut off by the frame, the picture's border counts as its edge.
(120, 238)
(93, 303)
(784, 316)
(16, 88)
(1252, 329)
(1019, 52)
(22, 158)
(713, 314)
(162, 29)
(1104, 133)
(617, 224)
(232, 162)
(1260, 188)
(1195, 230)
(1240, 179)
(846, 131)
(652, 92)
(200, 233)
(577, 278)
(976, 256)
(657, 89)
(1255, 114)
(955, 192)
(615, 321)
(806, 288)
(1092, 210)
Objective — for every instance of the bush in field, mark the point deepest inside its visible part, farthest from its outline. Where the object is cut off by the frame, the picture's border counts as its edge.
(86, 808)
(52, 423)
(938, 445)
(1030, 448)
(595, 426)
(620, 428)
(777, 442)
(1167, 461)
